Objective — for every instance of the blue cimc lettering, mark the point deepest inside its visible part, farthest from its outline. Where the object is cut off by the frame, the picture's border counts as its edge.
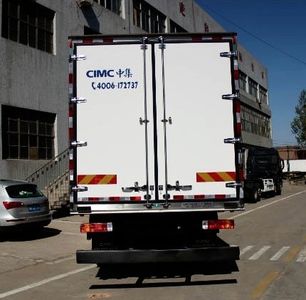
(100, 73)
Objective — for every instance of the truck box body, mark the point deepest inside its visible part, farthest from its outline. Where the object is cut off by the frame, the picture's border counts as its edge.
(154, 129)
(295, 165)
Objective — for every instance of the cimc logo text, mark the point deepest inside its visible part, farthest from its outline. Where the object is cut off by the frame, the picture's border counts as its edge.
(100, 73)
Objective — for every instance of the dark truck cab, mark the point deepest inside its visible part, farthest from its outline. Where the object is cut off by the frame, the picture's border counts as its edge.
(263, 173)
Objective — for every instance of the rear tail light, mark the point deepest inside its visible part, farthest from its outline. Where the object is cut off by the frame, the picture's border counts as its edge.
(12, 204)
(218, 224)
(96, 227)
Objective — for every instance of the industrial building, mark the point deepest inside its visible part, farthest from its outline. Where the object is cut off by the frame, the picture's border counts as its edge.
(34, 70)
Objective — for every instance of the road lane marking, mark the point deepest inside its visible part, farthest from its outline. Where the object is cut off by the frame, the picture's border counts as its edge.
(60, 260)
(259, 253)
(71, 233)
(292, 253)
(66, 221)
(302, 256)
(45, 281)
(265, 205)
(285, 253)
(246, 249)
(280, 253)
(264, 284)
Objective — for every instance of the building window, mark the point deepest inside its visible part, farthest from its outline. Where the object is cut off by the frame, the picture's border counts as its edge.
(148, 18)
(112, 5)
(240, 56)
(263, 95)
(255, 123)
(89, 31)
(242, 81)
(263, 75)
(174, 28)
(158, 21)
(27, 134)
(253, 88)
(136, 13)
(206, 27)
(28, 23)
(182, 8)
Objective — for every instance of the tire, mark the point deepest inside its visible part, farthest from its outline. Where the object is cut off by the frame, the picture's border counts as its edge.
(253, 195)
(278, 189)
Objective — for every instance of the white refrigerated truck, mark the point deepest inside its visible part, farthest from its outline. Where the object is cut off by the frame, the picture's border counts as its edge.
(154, 124)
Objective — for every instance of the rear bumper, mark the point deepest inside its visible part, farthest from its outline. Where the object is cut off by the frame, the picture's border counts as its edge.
(186, 255)
(40, 220)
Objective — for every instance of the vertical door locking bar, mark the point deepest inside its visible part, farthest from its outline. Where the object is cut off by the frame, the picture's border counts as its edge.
(162, 47)
(144, 47)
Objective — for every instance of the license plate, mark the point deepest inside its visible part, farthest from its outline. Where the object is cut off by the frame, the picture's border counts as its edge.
(34, 208)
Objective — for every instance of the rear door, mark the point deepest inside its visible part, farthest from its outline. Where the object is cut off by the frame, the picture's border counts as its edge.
(194, 120)
(117, 161)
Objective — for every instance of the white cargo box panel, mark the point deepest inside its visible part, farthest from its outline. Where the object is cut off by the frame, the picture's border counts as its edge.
(153, 119)
(297, 165)
(196, 77)
(111, 79)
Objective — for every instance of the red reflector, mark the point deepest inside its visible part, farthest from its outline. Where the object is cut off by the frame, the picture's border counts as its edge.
(71, 165)
(94, 199)
(71, 79)
(178, 197)
(87, 41)
(107, 40)
(238, 129)
(72, 111)
(114, 199)
(96, 227)
(218, 224)
(220, 197)
(236, 74)
(12, 204)
(136, 198)
(197, 38)
(199, 197)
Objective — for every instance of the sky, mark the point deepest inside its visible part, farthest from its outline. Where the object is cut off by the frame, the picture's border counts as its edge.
(274, 32)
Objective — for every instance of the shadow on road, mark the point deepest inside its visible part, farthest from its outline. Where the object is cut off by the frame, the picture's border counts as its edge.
(28, 234)
(166, 274)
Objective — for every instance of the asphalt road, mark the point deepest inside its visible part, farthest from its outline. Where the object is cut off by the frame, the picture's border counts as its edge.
(271, 235)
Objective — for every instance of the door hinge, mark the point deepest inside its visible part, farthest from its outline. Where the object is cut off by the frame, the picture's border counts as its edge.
(230, 96)
(143, 121)
(135, 188)
(78, 144)
(232, 140)
(233, 185)
(75, 57)
(178, 187)
(229, 54)
(78, 100)
(78, 188)
(167, 120)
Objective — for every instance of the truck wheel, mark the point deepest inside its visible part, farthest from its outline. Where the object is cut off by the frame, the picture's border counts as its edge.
(278, 189)
(255, 195)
